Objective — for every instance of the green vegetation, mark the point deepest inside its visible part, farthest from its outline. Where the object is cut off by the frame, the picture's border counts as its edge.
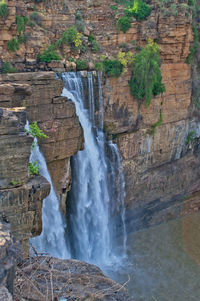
(21, 23)
(195, 102)
(35, 18)
(113, 68)
(49, 54)
(140, 10)
(35, 131)
(156, 124)
(126, 58)
(195, 46)
(191, 2)
(190, 137)
(79, 22)
(146, 79)
(22, 39)
(70, 37)
(137, 8)
(99, 66)
(124, 23)
(15, 183)
(78, 15)
(7, 68)
(4, 11)
(13, 45)
(114, 7)
(33, 168)
(81, 64)
(93, 43)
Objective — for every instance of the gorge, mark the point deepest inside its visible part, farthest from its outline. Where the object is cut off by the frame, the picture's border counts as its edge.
(114, 148)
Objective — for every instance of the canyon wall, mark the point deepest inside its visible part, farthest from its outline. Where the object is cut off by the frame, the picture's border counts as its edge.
(160, 167)
(20, 195)
(40, 93)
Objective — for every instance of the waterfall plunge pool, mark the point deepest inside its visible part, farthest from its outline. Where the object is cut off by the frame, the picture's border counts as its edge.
(163, 262)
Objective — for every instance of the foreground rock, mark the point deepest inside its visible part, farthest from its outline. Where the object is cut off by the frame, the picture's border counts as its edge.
(46, 278)
(6, 263)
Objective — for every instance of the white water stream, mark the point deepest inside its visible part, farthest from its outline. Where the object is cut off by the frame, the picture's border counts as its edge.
(97, 183)
(96, 229)
(52, 239)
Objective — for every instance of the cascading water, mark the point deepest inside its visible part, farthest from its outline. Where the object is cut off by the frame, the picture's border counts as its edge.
(92, 233)
(52, 239)
(117, 195)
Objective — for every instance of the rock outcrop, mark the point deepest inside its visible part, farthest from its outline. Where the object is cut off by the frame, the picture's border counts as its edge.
(68, 279)
(41, 94)
(20, 196)
(160, 166)
(7, 263)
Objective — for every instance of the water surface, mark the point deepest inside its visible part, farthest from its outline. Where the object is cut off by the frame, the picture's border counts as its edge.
(164, 262)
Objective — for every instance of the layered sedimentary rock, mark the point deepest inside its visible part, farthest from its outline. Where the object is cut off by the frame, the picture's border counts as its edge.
(6, 263)
(98, 19)
(20, 196)
(40, 93)
(159, 165)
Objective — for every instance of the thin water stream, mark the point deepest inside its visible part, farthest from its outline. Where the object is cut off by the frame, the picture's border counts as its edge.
(52, 239)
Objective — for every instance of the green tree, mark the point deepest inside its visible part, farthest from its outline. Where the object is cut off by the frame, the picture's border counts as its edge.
(146, 79)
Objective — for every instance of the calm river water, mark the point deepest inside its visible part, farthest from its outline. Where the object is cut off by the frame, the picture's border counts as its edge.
(164, 262)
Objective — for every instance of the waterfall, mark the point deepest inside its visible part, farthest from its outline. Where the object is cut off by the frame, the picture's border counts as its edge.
(52, 239)
(97, 183)
(117, 194)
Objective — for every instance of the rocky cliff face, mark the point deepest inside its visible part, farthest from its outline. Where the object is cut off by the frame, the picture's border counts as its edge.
(160, 167)
(20, 196)
(40, 93)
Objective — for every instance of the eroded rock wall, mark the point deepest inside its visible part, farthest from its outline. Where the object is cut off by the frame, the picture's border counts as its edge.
(20, 196)
(158, 166)
(41, 92)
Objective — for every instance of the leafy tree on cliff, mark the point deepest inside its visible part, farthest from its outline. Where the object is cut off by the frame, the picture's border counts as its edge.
(146, 79)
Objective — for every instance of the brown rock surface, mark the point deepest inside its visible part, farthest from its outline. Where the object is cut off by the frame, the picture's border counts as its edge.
(20, 197)
(14, 148)
(56, 115)
(70, 279)
(6, 263)
(145, 156)
(173, 32)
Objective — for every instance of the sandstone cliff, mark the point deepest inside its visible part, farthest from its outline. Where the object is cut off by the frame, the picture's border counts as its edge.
(160, 168)
(40, 93)
(20, 196)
